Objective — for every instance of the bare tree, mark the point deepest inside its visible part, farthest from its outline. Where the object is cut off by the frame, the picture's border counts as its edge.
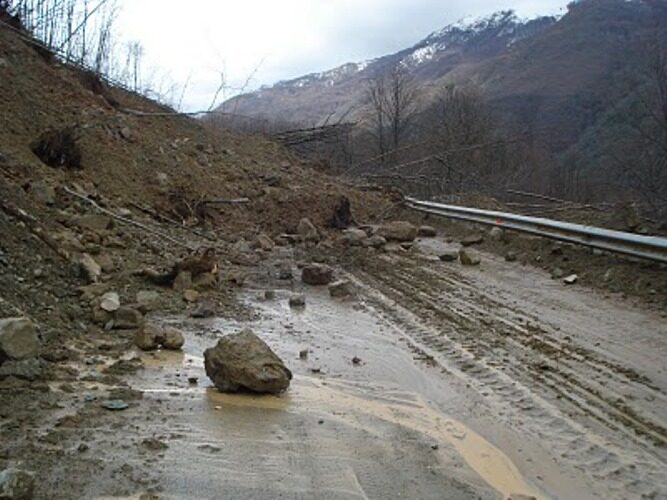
(392, 98)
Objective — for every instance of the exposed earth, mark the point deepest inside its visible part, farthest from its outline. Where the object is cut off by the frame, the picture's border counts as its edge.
(414, 376)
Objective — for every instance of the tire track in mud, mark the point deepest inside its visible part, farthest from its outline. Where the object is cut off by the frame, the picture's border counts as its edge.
(551, 387)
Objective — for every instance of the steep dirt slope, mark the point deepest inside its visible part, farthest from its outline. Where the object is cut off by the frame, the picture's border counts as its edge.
(168, 162)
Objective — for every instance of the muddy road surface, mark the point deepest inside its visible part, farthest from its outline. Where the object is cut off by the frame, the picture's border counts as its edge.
(434, 381)
(480, 382)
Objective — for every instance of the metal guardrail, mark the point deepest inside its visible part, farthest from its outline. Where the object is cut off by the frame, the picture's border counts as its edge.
(646, 247)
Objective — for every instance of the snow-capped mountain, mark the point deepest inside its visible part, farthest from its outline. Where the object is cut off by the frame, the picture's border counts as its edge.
(547, 71)
(435, 55)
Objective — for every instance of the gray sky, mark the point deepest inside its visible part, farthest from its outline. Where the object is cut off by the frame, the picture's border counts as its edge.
(281, 39)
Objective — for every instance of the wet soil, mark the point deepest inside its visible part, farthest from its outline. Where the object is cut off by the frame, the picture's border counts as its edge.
(469, 383)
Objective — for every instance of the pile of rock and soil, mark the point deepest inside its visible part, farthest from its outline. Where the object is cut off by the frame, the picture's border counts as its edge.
(110, 222)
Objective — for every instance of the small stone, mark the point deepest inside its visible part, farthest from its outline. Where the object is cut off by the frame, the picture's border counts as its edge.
(399, 231)
(43, 192)
(106, 263)
(473, 239)
(125, 133)
(303, 354)
(264, 242)
(285, 272)
(110, 302)
(204, 310)
(340, 289)
(497, 233)
(27, 369)
(173, 339)
(557, 273)
(18, 339)
(100, 317)
(511, 256)
(307, 231)
(469, 258)
(115, 405)
(16, 484)
(127, 318)
(316, 274)
(183, 281)
(571, 280)
(356, 360)
(190, 295)
(427, 232)
(90, 270)
(148, 300)
(149, 337)
(204, 281)
(269, 294)
(449, 256)
(353, 237)
(297, 301)
(375, 241)
(95, 222)
(153, 444)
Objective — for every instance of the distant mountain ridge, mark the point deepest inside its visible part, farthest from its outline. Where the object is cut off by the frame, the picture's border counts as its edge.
(339, 89)
(556, 76)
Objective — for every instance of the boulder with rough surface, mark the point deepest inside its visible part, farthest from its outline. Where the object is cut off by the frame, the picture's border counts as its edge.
(316, 274)
(400, 231)
(244, 362)
(18, 339)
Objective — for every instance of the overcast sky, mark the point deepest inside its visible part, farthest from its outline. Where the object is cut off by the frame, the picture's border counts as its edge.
(281, 39)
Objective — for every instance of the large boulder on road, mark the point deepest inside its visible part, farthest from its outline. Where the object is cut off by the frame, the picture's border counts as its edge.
(243, 362)
(400, 231)
(18, 339)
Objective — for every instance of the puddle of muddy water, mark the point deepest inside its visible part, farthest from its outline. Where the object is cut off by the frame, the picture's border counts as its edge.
(380, 405)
